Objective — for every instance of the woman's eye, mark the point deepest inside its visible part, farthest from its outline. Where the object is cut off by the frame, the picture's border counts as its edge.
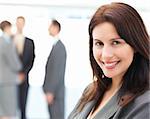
(99, 44)
(116, 42)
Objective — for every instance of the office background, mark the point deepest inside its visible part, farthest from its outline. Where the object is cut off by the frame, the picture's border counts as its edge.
(74, 16)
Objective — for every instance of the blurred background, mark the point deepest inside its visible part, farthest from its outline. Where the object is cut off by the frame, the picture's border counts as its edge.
(74, 16)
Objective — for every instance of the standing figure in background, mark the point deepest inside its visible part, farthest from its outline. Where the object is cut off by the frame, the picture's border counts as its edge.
(25, 49)
(10, 66)
(54, 78)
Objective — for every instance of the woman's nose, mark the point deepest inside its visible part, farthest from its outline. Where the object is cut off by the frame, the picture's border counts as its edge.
(107, 53)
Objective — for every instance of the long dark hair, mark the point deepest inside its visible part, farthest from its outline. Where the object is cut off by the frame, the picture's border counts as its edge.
(131, 28)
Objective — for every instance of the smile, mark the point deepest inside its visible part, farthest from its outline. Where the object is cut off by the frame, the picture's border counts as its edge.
(110, 65)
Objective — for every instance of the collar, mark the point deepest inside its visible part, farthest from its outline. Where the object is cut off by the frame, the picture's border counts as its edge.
(55, 39)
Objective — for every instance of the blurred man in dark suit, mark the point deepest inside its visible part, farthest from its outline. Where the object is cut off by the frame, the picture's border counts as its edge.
(25, 48)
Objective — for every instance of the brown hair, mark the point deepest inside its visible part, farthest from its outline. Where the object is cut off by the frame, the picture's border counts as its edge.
(5, 24)
(131, 28)
(56, 23)
(21, 17)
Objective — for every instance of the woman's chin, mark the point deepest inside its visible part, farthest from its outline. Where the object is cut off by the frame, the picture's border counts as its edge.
(108, 75)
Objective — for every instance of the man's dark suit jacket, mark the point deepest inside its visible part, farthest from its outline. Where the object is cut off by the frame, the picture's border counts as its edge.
(28, 56)
(27, 59)
(54, 79)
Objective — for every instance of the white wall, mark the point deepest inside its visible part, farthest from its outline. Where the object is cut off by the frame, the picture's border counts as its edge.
(74, 34)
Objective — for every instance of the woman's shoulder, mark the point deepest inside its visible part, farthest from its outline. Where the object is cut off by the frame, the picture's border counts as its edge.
(82, 114)
(140, 102)
(143, 98)
(137, 108)
(88, 87)
(137, 100)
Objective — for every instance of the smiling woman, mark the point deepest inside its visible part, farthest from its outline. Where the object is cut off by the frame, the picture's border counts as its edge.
(119, 56)
(110, 51)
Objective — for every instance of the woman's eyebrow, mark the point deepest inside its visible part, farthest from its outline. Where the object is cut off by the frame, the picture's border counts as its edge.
(117, 38)
(97, 40)
(112, 39)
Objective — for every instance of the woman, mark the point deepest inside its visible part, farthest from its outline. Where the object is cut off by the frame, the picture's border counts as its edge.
(9, 70)
(119, 56)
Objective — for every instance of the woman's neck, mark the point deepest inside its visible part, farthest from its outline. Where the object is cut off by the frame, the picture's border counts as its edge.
(116, 83)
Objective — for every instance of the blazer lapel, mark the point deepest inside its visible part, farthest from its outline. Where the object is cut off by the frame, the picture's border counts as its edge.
(87, 109)
(109, 110)
(84, 113)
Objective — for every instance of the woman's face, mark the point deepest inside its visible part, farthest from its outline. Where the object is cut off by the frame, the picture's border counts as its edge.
(112, 53)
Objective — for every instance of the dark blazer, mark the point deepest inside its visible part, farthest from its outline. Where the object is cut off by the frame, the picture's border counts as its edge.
(27, 59)
(28, 55)
(136, 109)
(54, 78)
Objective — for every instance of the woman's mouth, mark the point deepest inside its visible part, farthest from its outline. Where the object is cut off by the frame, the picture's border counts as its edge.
(110, 65)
